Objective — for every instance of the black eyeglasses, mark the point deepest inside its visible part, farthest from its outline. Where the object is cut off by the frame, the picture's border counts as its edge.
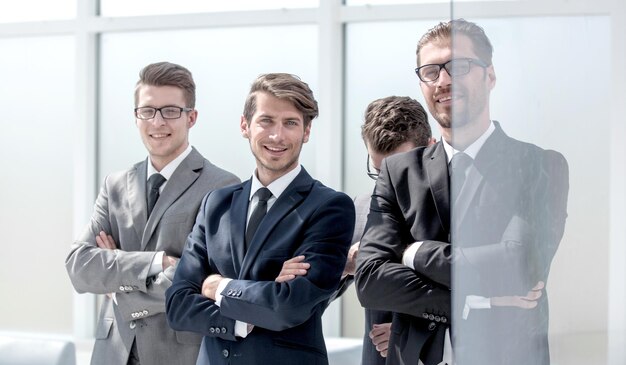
(454, 67)
(373, 175)
(167, 112)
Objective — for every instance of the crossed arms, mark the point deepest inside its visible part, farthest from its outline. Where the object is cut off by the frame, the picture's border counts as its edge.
(323, 238)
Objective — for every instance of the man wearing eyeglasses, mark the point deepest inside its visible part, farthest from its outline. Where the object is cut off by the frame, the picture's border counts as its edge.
(392, 125)
(142, 216)
(478, 202)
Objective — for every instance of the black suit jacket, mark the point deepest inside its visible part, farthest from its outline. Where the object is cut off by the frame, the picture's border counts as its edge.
(307, 219)
(506, 226)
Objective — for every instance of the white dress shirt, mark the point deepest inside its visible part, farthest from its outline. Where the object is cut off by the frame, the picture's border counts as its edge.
(167, 172)
(277, 187)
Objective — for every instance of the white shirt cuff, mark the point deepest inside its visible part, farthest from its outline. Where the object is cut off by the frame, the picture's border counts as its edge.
(475, 302)
(409, 254)
(157, 264)
(220, 288)
(242, 329)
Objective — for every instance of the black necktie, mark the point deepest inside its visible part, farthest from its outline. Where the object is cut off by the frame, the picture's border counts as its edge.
(154, 183)
(257, 215)
(458, 171)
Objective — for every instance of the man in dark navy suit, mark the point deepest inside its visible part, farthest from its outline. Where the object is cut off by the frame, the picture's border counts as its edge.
(225, 286)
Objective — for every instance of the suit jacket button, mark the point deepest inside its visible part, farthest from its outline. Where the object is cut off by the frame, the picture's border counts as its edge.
(444, 319)
(229, 292)
(121, 288)
(425, 315)
(225, 353)
(218, 330)
(132, 325)
(145, 312)
(223, 329)
(437, 319)
(212, 329)
(431, 317)
(432, 326)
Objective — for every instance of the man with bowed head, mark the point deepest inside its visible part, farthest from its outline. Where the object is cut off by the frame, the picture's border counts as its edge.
(225, 286)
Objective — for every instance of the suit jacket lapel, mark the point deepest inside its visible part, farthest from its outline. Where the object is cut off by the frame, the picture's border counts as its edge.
(185, 174)
(238, 214)
(136, 185)
(436, 164)
(288, 201)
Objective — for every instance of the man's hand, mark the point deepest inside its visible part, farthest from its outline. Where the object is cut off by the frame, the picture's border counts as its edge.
(209, 286)
(292, 268)
(527, 302)
(380, 337)
(169, 261)
(350, 267)
(105, 241)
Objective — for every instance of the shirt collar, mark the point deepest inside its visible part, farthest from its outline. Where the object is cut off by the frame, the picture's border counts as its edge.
(473, 149)
(277, 186)
(169, 169)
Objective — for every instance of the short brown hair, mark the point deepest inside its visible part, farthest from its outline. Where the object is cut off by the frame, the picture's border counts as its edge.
(393, 121)
(445, 31)
(283, 86)
(168, 74)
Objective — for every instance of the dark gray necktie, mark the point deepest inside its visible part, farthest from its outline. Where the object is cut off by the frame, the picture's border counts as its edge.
(459, 164)
(154, 183)
(257, 215)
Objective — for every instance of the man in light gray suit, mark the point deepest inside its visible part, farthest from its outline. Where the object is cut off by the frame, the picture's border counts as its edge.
(142, 216)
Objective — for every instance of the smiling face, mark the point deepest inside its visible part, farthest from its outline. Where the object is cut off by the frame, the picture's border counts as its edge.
(276, 134)
(164, 139)
(461, 102)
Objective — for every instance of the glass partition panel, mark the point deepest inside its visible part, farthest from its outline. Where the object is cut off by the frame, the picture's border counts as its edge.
(530, 221)
(36, 187)
(224, 62)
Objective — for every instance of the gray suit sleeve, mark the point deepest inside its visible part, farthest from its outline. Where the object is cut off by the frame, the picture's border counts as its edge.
(101, 271)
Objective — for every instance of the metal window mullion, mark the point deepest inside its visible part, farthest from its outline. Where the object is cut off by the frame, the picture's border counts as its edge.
(85, 147)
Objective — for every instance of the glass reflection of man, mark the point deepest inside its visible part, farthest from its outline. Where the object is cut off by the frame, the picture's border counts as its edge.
(479, 204)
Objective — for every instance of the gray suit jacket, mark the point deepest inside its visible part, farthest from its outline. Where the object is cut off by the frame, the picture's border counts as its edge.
(120, 210)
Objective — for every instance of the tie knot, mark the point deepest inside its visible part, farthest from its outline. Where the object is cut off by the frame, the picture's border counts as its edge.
(155, 181)
(264, 194)
(460, 162)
